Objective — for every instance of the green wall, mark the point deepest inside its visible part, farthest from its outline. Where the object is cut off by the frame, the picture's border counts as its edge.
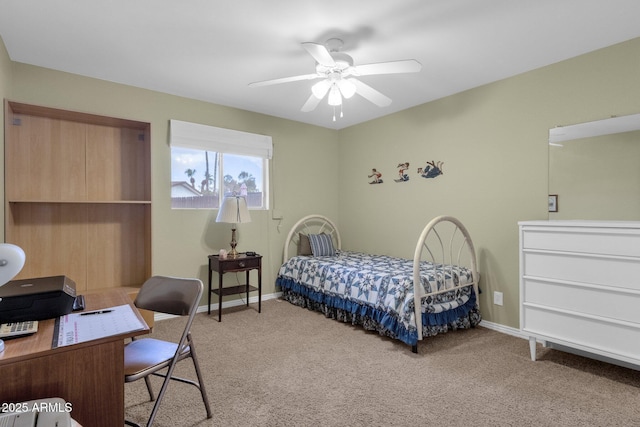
(492, 140)
(182, 239)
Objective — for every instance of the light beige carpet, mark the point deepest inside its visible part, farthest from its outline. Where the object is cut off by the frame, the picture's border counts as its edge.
(292, 367)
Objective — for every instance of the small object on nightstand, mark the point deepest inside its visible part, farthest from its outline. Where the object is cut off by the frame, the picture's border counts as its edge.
(251, 253)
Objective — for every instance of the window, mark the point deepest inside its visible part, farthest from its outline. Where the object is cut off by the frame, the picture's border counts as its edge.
(209, 163)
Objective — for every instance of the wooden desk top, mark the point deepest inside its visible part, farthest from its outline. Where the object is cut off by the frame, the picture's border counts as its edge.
(40, 343)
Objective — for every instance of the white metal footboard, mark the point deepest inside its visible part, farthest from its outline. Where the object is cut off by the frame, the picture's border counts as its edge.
(446, 243)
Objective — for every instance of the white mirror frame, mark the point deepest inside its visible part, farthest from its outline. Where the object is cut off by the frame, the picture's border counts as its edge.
(597, 128)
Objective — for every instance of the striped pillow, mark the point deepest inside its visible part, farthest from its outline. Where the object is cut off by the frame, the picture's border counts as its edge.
(321, 245)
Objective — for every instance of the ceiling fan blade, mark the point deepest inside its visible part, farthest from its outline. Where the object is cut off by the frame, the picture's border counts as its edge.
(319, 53)
(392, 67)
(370, 94)
(311, 103)
(285, 80)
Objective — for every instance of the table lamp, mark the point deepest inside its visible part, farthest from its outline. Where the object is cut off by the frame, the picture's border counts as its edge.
(11, 262)
(234, 211)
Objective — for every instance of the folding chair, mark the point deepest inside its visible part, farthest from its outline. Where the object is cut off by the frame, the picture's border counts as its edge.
(147, 356)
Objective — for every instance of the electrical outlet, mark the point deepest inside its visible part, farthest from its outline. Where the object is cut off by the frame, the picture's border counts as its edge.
(497, 298)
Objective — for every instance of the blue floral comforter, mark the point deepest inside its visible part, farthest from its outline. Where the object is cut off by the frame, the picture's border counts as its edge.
(381, 287)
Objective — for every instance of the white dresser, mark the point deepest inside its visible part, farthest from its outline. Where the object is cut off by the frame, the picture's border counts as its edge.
(580, 287)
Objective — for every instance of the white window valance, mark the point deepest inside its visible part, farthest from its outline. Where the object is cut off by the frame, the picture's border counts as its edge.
(211, 138)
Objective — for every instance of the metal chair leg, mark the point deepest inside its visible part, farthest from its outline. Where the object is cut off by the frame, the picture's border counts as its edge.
(165, 384)
(196, 365)
(148, 383)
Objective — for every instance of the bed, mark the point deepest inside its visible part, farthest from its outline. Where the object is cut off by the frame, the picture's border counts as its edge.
(380, 292)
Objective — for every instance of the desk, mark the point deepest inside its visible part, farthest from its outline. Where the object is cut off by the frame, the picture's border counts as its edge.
(242, 262)
(89, 375)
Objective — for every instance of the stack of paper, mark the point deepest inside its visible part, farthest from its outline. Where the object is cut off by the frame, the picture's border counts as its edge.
(91, 325)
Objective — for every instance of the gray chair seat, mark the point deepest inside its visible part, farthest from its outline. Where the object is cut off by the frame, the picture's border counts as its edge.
(143, 356)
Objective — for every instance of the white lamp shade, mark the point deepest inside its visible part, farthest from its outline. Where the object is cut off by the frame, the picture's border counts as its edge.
(347, 88)
(234, 210)
(335, 98)
(320, 89)
(12, 259)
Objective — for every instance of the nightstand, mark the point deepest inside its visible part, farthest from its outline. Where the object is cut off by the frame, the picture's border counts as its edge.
(230, 265)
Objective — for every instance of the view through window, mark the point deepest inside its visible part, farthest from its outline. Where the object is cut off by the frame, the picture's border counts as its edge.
(208, 164)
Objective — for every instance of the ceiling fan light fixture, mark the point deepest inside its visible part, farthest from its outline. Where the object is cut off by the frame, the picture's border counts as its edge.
(337, 74)
(320, 89)
(347, 88)
(335, 98)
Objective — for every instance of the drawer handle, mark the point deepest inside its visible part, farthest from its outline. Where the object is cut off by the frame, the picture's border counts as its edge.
(241, 264)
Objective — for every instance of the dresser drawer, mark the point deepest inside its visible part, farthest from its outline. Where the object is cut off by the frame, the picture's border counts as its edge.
(582, 298)
(240, 263)
(606, 271)
(604, 241)
(612, 339)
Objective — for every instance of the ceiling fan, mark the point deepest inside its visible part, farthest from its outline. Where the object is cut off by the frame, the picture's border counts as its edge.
(338, 74)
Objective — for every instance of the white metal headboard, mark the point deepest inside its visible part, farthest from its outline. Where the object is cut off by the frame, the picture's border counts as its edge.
(311, 224)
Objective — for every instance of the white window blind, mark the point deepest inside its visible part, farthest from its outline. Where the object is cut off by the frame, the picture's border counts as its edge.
(211, 138)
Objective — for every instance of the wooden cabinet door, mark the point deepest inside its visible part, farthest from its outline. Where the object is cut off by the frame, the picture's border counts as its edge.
(45, 159)
(117, 165)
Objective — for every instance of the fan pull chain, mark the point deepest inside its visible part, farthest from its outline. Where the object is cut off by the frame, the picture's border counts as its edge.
(341, 114)
(334, 113)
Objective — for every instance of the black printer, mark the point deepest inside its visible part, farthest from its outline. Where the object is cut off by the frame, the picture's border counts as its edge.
(36, 299)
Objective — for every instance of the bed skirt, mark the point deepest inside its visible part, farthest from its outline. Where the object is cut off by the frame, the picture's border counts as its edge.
(464, 316)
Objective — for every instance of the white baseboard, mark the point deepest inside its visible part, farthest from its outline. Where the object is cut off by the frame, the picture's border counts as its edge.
(502, 328)
(227, 304)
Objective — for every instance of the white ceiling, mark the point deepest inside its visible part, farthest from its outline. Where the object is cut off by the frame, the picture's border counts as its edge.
(212, 49)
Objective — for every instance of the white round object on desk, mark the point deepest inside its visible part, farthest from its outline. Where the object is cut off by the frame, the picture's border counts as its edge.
(12, 259)
(11, 262)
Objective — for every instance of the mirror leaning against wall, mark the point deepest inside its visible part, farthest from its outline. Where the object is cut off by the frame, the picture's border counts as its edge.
(594, 169)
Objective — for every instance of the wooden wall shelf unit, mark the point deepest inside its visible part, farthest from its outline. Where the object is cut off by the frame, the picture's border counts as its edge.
(78, 195)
